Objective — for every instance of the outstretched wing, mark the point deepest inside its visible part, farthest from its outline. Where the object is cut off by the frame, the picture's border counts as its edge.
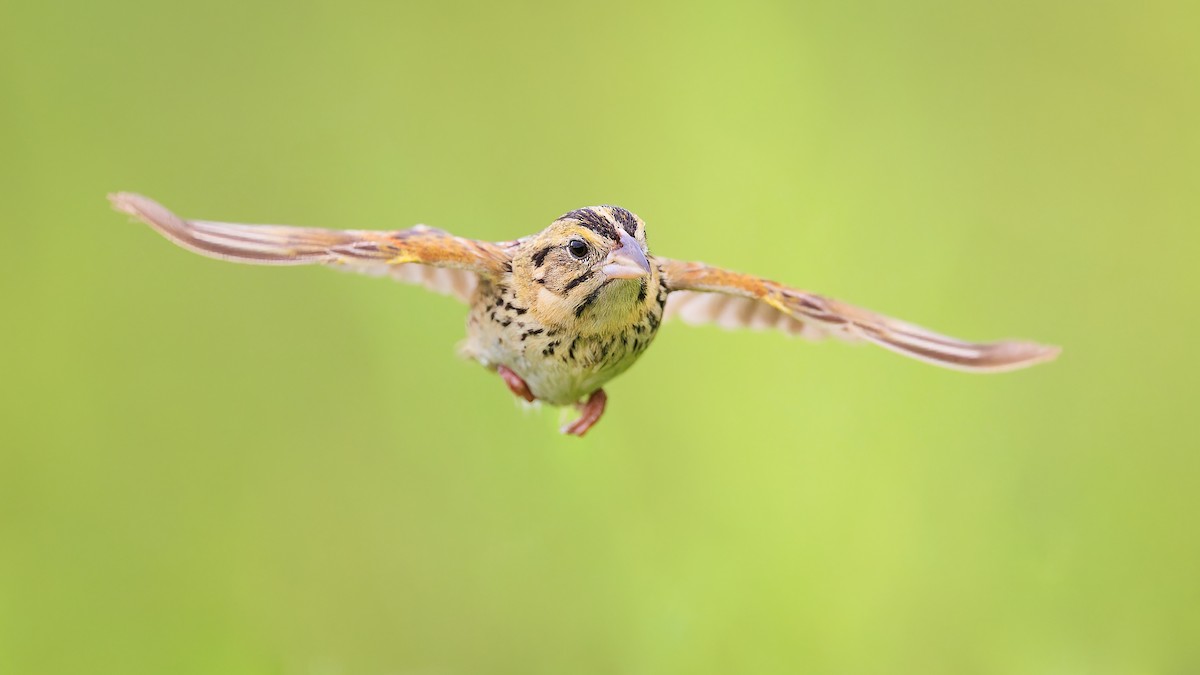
(703, 294)
(440, 261)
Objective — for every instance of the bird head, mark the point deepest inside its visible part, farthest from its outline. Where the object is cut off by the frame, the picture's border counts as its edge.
(589, 269)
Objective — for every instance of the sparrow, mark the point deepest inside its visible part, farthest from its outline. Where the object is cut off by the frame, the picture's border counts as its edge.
(560, 313)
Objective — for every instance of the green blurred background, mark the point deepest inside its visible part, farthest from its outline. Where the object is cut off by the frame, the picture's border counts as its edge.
(210, 468)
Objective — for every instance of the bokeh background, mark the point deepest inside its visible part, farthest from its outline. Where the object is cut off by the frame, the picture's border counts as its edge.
(209, 468)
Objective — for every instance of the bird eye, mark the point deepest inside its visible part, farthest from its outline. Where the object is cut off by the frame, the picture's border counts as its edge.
(577, 248)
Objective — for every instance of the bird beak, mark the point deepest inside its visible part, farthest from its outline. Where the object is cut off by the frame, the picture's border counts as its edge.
(628, 261)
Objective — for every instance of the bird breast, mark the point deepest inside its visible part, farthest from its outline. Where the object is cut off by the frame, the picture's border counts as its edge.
(560, 366)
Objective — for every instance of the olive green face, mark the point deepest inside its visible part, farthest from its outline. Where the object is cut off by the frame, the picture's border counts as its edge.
(591, 261)
(567, 257)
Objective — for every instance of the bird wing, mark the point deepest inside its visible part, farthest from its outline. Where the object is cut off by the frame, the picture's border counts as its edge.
(443, 262)
(702, 294)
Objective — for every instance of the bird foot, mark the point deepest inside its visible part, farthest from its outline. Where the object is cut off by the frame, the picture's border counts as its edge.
(590, 413)
(515, 384)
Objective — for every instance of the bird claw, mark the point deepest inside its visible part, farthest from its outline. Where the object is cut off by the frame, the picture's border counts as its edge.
(515, 384)
(589, 414)
(589, 411)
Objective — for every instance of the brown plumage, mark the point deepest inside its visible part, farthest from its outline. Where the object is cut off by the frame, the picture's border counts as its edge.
(559, 313)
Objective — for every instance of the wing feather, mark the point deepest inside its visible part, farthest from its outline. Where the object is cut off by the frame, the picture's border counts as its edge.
(702, 294)
(423, 255)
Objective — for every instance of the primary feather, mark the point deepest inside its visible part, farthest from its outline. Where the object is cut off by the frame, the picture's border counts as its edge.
(704, 294)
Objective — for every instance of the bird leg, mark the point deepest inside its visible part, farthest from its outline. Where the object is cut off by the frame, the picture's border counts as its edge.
(515, 384)
(589, 414)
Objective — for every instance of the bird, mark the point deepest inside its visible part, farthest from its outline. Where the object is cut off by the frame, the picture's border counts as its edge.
(559, 313)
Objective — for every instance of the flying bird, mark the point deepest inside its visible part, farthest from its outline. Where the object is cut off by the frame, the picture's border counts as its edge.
(559, 313)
